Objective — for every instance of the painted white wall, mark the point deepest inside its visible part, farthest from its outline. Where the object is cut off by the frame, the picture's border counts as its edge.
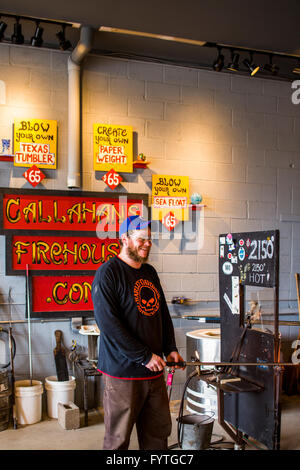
(236, 137)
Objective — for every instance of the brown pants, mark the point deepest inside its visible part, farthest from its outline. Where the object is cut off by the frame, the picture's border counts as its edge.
(141, 402)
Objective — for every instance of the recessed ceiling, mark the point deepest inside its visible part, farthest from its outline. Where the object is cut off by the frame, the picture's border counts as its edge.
(267, 25)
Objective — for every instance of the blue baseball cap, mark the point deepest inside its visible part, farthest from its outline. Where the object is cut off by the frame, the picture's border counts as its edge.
(133, 222)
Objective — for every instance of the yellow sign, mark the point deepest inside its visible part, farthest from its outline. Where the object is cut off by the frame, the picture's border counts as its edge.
(170, 194)
(113, 148)
(35, 143)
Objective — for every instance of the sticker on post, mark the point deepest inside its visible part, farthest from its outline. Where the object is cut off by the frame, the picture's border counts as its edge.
(228, 301)
(229, 239)
(234, 305)
(235, 295)
(227, 268)
(241, 254)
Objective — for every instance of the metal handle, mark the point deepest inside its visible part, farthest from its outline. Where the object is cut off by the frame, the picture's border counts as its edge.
(199, 363)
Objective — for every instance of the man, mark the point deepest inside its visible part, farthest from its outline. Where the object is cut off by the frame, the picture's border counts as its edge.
(135, 332)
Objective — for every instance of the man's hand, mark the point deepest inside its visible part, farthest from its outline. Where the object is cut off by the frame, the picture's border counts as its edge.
(174, 356)
(156, 363)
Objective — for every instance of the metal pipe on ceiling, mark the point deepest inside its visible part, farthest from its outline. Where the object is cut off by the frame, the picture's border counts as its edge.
(74, 105)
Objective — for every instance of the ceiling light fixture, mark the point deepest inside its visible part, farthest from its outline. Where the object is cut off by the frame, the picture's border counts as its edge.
(37, 39)
(3, 27)
(270, 67)
(108, 29)
(64, 44)
(253, 69)
(219, 62)
(17, 37)
(234, 64)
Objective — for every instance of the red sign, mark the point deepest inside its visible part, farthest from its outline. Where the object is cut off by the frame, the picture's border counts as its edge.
(170, 221)
(67, 213)
(112, 179)
(34, 175)
(61, 294)
(49, 253)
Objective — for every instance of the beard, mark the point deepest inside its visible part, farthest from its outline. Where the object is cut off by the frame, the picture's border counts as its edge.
(134, 255)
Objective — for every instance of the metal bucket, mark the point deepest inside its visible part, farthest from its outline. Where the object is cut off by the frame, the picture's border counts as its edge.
(4, 385)
(201, 398)
(4, 400)
(4, 409)
(196, 431)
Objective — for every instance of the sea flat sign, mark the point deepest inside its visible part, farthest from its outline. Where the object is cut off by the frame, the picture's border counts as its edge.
(61, 211)
(35, 143)
(170, 193)
(113, 148)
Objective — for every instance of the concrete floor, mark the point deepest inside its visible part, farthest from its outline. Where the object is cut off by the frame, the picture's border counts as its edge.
(49, 435)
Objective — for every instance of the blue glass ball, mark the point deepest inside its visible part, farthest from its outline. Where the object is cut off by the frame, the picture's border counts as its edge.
(196, 198)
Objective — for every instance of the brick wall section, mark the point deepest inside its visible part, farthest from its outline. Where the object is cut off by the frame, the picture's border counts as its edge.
(236, 137)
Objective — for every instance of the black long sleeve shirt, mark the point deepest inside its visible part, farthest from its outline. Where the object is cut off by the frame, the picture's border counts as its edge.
(134, 321)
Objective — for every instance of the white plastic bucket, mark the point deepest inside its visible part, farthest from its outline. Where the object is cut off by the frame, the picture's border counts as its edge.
(28, 401)
(58, 391)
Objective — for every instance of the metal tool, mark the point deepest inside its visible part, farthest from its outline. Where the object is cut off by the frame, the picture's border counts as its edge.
(60, 358)
(11, 342)
(73, 356)
(171, 372)
(29, 326)
(233, 364)
(182, 301)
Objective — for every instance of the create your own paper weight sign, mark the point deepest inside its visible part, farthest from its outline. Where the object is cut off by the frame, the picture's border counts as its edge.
(113, 148)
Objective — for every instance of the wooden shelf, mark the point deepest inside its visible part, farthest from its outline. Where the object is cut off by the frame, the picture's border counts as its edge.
(231, 387)
(196, 207)
(138, 164)
(7, 158)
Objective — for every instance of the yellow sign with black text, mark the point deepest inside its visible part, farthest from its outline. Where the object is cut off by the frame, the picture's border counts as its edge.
(170, 194)
(113, 148)
(35, 143)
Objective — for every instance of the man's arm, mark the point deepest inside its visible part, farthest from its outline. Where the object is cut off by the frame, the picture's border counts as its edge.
(169, 344)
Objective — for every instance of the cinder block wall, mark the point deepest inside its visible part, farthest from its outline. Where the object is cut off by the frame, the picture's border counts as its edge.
(236, 137)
